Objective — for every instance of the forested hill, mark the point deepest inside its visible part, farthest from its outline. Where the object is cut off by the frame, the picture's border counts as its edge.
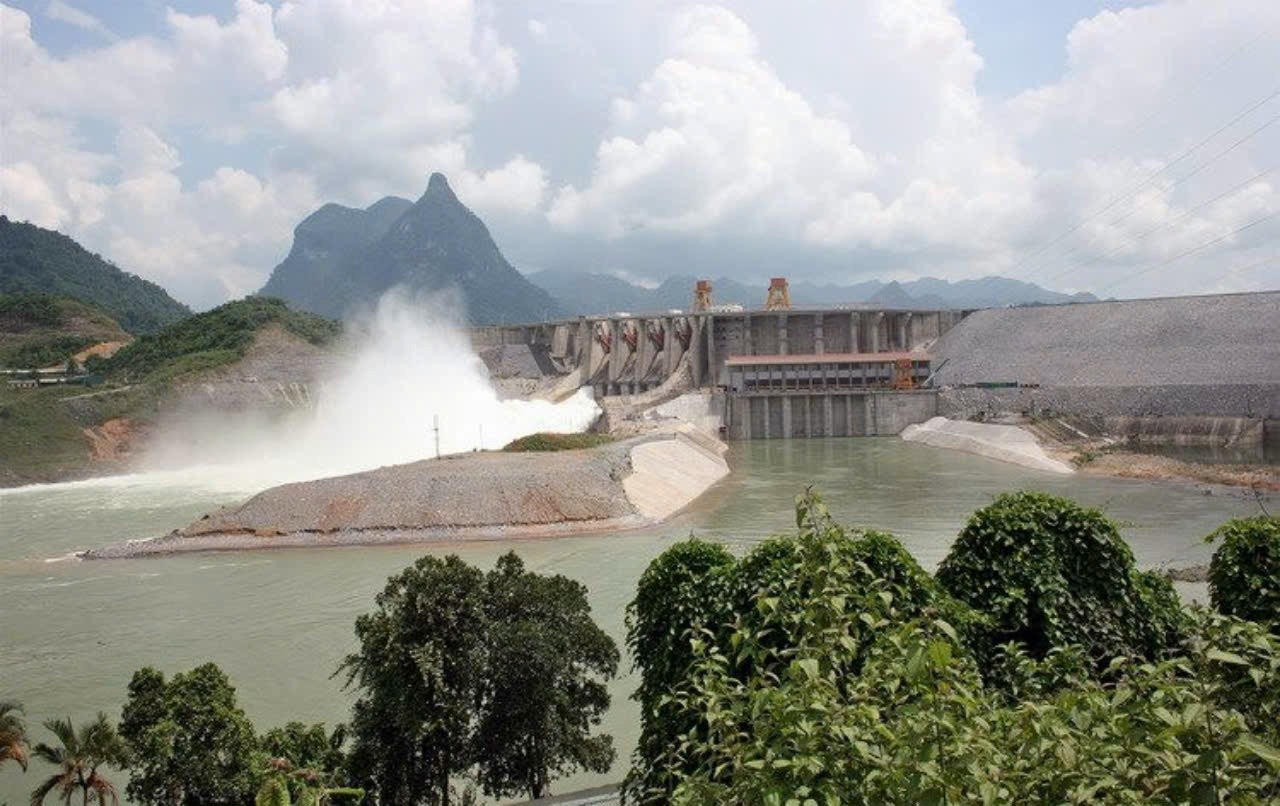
(36, 260)
(214, 338)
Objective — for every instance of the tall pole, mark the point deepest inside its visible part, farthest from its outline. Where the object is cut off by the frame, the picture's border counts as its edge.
(435, 418)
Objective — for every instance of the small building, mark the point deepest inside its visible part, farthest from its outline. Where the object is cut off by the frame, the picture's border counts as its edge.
(759, 374)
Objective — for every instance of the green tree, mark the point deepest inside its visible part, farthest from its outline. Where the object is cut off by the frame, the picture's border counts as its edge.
(846, 678)
(417, 671)
(191, 742)
(284, 784)
(308, 747)
(545, 667)
(1049, 574)
(79, 757)
(1244, 574)
(13, 734)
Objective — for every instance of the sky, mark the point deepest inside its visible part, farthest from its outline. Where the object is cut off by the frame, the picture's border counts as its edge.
(1128, 149)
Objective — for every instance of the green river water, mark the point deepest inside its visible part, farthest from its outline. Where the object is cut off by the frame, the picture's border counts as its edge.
(278, 622)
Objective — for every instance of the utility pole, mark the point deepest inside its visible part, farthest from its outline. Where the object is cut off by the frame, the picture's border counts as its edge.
(435, 419)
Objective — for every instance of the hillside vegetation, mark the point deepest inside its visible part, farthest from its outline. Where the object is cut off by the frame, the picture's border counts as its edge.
(40, 330)
(214, 338)
(43, 431)
(43, 261)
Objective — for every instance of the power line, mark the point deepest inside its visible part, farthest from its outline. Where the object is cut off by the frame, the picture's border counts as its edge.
(1179, 181)
(1135, 239)
(1247, 267)
(1150, 178)
(1189, 252)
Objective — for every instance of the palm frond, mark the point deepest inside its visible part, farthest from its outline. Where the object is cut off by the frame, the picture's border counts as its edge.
(39, 793)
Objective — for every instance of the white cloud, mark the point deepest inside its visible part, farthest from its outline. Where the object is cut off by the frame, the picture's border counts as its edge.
(713, 137)
(361, 98)
(65, 12)
(853, 130)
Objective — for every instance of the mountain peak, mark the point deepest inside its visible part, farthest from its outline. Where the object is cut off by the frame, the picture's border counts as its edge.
(439, 186)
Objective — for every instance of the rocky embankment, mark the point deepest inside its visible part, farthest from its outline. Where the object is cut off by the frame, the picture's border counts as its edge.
(488, 495)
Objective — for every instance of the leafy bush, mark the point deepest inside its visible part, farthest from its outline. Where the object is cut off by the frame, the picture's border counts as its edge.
(827, 592)
(1049, 574)
(1244, 575)
(682, 593)
(842, 679)
(548, 441)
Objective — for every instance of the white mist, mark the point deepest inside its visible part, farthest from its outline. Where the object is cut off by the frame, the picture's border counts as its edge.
(404, 367)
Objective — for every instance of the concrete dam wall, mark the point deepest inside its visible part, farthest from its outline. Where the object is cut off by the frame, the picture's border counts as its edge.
(777, 374)
(626, 354)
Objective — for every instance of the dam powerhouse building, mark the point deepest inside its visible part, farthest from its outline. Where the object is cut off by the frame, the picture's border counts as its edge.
(784, 372)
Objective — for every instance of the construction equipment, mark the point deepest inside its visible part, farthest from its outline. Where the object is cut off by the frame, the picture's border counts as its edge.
(904, 374)
(702, 296)
(779, 296)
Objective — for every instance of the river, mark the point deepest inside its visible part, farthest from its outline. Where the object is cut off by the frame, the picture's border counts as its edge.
(278, 622)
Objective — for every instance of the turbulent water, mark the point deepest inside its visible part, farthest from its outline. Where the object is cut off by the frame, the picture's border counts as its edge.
(407, 386)
(278, 622)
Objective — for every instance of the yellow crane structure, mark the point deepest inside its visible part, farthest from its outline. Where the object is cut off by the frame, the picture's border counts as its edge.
(702, 296)
(779, 296)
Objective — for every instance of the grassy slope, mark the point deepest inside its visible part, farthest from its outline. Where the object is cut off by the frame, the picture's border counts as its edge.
(41, 438)
(39, 330)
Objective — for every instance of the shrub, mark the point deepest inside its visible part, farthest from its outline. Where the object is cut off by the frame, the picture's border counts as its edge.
(1049, 574)
(547, 441)
(841, 679)
(703, 624)
(1244, 574)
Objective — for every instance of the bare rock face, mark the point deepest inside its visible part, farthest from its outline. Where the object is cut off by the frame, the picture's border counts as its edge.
(343, 259)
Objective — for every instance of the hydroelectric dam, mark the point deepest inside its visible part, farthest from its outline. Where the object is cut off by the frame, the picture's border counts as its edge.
(765, 373)
(1201, 368)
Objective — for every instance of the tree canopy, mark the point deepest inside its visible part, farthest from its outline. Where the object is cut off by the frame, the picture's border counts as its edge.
(191, 742)
(461, 674)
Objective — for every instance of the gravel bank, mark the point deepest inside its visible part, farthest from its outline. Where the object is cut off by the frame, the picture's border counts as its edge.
(1209, 355)
(473, 496)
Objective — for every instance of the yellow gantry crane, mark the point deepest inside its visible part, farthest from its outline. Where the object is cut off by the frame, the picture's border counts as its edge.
(779, 296)
(702, 296)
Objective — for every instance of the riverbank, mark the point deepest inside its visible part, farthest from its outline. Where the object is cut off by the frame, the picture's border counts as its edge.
(1007, 443)
(1036, 445)
(1130, 465)
(478, 496)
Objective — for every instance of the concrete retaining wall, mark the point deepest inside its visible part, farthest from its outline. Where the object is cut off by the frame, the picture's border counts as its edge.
(1260, 401)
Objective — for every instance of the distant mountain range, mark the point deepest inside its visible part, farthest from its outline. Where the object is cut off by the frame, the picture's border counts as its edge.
(36, 260)
(583, 294)
(343, 259)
